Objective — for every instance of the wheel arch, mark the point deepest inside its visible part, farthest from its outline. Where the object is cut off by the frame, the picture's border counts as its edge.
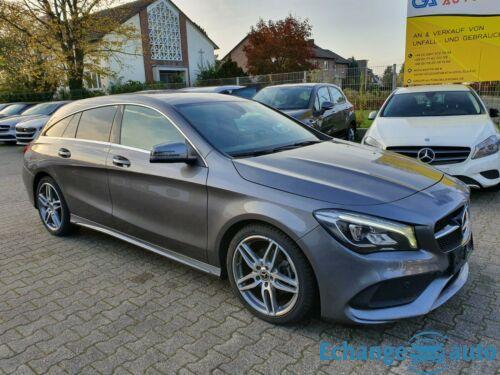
(36, 180)
(233, 228)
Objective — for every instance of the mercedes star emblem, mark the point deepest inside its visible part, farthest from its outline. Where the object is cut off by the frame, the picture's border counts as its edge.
(426, 155)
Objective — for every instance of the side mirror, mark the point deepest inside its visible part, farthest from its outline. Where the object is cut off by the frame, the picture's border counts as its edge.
(493, 112)
(372, 115)
(326, 106)
(172, 153)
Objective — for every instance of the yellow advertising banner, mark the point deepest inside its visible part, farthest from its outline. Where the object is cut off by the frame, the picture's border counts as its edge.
(453, 43)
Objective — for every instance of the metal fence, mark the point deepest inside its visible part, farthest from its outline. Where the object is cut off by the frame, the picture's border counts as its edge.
(367, 87)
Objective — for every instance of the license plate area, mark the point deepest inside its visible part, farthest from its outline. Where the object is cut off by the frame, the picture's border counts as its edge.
(458, 257)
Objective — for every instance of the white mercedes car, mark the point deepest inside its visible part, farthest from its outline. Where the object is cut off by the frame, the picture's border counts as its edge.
(445, 126)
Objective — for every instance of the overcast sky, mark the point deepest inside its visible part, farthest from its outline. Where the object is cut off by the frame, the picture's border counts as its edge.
(366, 29)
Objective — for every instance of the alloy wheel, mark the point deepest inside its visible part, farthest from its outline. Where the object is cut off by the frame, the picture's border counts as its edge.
(49, 204)
(265, 275)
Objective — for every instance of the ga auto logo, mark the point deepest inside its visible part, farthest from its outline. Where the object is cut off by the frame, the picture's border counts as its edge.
(419, 4)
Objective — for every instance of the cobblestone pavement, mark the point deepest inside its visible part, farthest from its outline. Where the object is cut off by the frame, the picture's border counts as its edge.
(93, 304)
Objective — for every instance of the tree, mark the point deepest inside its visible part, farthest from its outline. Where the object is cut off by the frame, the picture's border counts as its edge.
(229, 69)
(279, 47)
(68, 33)
(24, 67)
(387, 78)
(221, 69)
(353, 78)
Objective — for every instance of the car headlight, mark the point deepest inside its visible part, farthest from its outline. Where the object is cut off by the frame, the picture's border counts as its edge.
(370, 141)
(487, 147)
(367, 234)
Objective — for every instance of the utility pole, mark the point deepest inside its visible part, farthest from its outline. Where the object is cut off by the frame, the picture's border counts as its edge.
(394, 77)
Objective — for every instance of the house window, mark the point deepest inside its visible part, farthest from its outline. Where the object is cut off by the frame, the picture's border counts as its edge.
(325, 65)
(172, 76)
(164, 32)
(94, 81)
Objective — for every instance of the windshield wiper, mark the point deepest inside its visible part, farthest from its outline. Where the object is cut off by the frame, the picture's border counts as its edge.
(276, 149)
(296, 145)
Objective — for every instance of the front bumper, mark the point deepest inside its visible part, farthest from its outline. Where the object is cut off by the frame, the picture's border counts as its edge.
(25, 136)
(7, 134)
(472, 169)
(343, 275)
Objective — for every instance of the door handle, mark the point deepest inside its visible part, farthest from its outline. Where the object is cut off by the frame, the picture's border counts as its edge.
(120, 161)
(64, 153)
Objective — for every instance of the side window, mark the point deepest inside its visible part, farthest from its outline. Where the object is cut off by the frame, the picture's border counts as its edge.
(337, 96)
(317, 107)
(323, 96)
(144, 128)
(95, 124)
(57, 129)
(70, 131)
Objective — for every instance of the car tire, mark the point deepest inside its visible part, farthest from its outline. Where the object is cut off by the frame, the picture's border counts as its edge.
(351, 135)
(284, 269)
(51, 204)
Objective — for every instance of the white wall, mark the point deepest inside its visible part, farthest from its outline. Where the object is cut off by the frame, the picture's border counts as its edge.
(196, 41)
(129, 65)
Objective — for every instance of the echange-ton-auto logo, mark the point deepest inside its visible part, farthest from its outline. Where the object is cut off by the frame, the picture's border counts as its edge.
(419, 4)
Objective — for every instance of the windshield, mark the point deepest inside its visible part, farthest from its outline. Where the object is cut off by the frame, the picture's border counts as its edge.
(285, 97)
(42, 109)
(12, 109)
(243, 128)
(438, 103)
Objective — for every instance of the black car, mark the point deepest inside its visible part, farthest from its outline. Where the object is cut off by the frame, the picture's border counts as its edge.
(320, 105)
(246, 92)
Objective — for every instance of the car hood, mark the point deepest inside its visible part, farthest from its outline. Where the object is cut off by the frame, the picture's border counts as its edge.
(13, 120)
(37, 122)
(340, 172)
(442, 131)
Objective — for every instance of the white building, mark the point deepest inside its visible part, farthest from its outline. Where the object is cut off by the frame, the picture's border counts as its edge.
(168, 45)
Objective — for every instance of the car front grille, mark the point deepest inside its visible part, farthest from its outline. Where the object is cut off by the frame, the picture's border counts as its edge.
(434, 155)
(25, 134)
(453, 230)
(4, 128)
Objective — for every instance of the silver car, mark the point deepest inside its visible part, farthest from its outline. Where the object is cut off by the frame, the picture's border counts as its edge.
(231, 187)
(34, 119)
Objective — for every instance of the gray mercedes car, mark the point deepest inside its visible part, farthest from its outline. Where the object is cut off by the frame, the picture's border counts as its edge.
(231, 187)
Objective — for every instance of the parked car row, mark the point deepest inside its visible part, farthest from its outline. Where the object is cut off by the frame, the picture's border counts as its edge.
(288, 213)
(445, 126)
(22, 122)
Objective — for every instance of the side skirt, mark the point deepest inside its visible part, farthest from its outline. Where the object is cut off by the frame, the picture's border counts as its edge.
(208, 268)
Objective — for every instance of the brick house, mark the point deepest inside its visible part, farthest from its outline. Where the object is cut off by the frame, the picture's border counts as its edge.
(323, 59)
(169, 45)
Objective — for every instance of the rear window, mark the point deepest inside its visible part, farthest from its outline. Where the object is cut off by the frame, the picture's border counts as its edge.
(438, 103)
(246, 92)
(58, 128)
(65, 128)
(285, 97)
(95, 124)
